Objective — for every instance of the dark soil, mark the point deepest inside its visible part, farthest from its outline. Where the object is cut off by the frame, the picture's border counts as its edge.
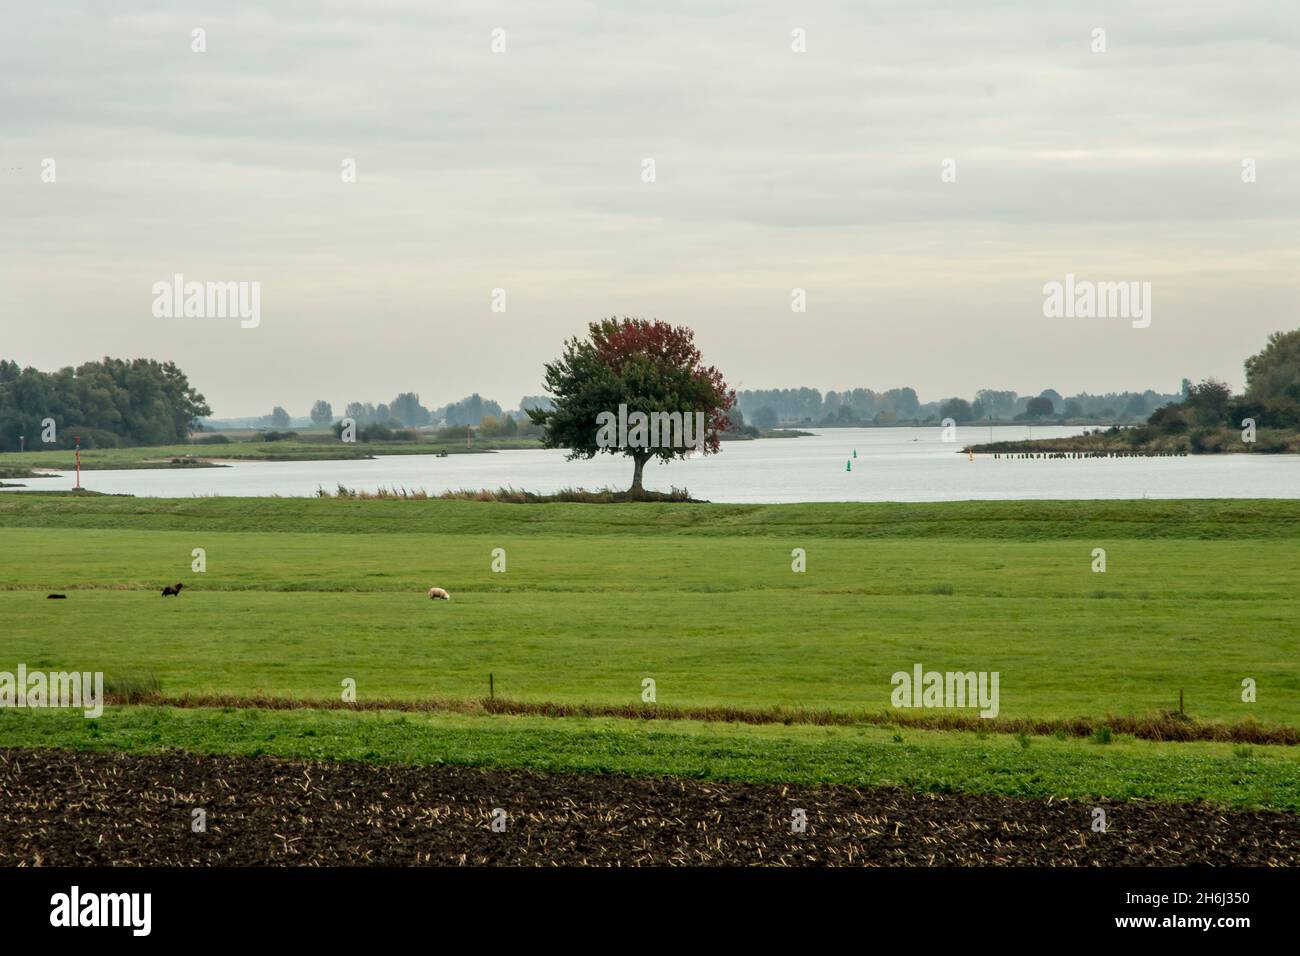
(59, 809)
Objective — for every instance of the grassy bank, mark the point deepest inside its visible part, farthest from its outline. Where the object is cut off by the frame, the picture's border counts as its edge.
(300, 596)
(203, 455)
(1233, 519)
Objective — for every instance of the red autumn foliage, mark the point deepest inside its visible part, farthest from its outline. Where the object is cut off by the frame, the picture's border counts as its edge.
(618, 341)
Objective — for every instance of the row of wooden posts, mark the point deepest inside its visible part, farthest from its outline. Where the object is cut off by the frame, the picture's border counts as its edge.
(1095, 454)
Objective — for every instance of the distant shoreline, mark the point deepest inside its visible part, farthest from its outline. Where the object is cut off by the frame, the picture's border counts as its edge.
(1130, 442)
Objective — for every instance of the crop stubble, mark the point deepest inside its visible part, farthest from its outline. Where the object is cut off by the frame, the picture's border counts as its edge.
(64, 808)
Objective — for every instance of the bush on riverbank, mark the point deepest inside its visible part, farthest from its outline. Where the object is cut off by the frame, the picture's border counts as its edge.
(514, 495)
(1146, 441)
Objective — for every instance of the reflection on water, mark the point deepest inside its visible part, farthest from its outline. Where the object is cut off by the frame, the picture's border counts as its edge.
(892, 464)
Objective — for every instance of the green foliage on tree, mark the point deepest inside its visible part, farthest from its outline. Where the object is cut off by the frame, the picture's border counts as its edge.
(507, 426)
(406, 408)
(1040, 407)
(471, 410)
(108, 403)
(1273, 380)
(1208, 402)
(958, 409)
(1272, 396)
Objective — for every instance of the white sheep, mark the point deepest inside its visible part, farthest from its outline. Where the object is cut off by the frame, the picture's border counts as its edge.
(438, 594)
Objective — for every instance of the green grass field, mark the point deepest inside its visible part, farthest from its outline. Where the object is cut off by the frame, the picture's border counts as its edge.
(300, 594)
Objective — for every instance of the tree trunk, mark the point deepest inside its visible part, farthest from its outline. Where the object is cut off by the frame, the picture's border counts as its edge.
(639, 459)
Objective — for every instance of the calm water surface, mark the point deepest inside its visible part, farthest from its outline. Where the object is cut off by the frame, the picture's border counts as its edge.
(892, 464)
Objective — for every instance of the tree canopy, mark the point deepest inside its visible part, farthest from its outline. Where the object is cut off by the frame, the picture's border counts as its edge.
(1040, 407)
(322, 413)
(1273, 379)
(1271, 399)
(649, 368)
(106, 403)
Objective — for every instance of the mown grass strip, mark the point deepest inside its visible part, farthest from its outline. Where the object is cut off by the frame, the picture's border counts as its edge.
(1023, 520)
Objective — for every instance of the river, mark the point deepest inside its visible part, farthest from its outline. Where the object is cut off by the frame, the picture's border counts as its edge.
(892, 464)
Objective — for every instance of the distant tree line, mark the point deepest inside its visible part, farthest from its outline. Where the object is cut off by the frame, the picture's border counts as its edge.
(767, 408)
(406, 412)
(108, 403)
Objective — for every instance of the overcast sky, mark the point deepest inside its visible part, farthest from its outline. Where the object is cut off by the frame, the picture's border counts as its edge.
(774, 170)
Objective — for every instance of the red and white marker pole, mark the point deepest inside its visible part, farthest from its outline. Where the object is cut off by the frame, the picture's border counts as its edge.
(78, 440)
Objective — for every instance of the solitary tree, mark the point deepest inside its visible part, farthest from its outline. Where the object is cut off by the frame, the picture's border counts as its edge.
(322, 413)
(650, 368)
(996, 402)
(958, 409)
(279, 417)
(406, 408)
(1040, 407)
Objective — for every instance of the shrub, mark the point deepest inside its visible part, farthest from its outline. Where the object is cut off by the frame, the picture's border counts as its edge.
(378, 433)
(133, 688)
(514, 495)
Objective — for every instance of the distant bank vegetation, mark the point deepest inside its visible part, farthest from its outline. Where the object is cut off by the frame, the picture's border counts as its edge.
(1209, 419)
(863, 407)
